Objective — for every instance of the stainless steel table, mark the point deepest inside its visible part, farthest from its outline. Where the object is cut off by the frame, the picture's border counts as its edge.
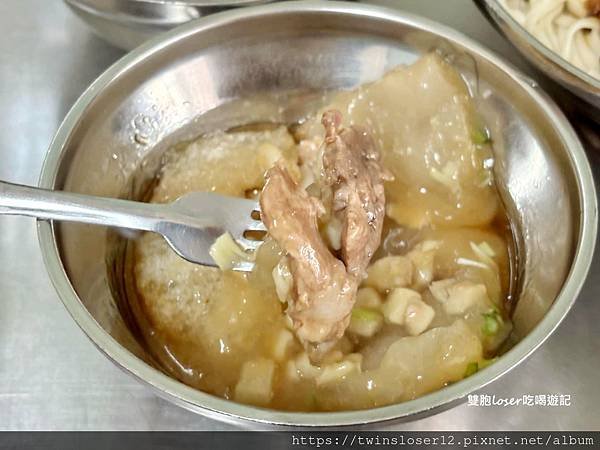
(51, 376)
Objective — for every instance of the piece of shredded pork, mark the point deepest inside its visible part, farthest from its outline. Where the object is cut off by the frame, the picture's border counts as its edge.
(354, 174)
(322, 294)
(322, 288)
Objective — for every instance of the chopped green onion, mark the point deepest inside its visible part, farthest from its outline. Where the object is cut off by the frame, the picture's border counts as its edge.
(491, 323)
(497, 314)
(480, 136)
(472, 368)
(365, 314)
(365, 322)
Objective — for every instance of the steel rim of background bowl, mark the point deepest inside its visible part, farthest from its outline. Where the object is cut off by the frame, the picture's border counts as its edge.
(201, 3)
(226, 410)
(585, 81)
(215, 3)
(113, 14)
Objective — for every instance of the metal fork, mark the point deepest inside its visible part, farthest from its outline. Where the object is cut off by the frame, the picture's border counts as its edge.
(190, 224)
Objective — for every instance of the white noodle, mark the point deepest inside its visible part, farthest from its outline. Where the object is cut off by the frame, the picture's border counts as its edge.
(576, 39)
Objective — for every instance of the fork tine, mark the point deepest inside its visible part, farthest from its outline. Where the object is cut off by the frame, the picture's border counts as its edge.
(249, 244)
(256, 225)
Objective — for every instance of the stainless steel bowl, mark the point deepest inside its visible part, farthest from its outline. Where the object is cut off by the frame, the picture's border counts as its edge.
(128, 23)
(187, 81)
(583, 85)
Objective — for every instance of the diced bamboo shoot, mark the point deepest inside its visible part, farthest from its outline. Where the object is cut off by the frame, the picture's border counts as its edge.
(227, 253)
(336, 372)
(458, 296)
(283, 345)
(389, 273)
(405, 307)
(282, 277)
(368, 297)
(255, 385)
(418, 317)
(394, 308)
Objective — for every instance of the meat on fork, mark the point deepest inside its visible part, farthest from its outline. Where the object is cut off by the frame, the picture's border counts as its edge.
(324, 287)
(322, 294)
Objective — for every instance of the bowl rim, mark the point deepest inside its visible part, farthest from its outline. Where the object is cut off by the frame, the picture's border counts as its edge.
(219, 408)
(203, 3)
(584, 78)
(215, 3)
(194, 3)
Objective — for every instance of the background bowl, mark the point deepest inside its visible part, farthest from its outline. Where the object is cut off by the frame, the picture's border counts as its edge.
(187, 82)
(128, 23)
(550, 63)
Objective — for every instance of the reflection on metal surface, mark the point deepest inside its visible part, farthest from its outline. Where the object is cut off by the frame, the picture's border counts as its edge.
(246, 60)
(128, 23)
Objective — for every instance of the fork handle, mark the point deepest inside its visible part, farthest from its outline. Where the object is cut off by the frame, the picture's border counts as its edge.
(16, 199)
